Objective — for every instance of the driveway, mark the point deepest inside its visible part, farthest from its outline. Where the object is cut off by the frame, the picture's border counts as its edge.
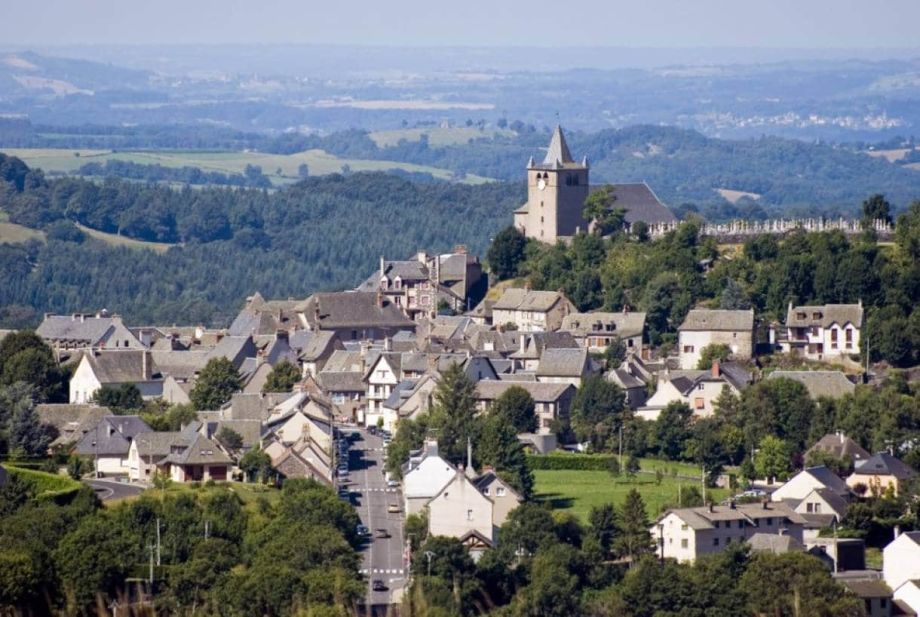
(383, 558)
(108, 490)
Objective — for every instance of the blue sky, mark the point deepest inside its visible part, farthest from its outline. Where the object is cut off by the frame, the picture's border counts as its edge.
(643, 23)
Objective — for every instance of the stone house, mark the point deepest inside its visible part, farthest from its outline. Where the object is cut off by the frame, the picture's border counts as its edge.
(704, 327)
(531, 311)
(596, 331)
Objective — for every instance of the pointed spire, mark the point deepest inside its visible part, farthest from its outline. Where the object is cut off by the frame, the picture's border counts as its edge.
(530, 163)
(558, 152)
(584, 161)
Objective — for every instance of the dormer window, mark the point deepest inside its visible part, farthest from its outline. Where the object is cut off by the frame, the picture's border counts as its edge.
(397, 282)
(384, 283)
(801, 316)
(816, 315)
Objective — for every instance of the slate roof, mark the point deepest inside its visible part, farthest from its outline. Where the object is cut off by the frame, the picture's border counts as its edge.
(702, 517)
(200, 451)
(774, 543)
(517, 298)
(686, 380)
(834, 500)
(719, 320)
(624, 324)
(111, 436)
(182, 365)
(883, 464)
(828, 314)
(123, 366)
(639, 202)
(558, 150)
(839, 445)
(355, 309)
(624, 379)
(315, 345)
(249, 430)
(344, 360)
(400, 393)
(832, 384)
(159, 444)
(70, 421)
(563, 363)
(84, 328)
(490, 390)
(234, 348)
(867, 588)
(253, 322)
(341, 381)
(828, 478)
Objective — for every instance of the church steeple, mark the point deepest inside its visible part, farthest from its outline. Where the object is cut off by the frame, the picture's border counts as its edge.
(558, 151)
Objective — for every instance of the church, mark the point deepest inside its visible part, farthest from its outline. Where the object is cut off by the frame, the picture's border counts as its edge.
(556, 193)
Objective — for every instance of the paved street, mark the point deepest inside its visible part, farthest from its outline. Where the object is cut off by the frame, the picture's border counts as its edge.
(108, 490)
(383, 557)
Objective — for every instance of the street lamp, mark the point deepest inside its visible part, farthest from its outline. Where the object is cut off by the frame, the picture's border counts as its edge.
(429, 555)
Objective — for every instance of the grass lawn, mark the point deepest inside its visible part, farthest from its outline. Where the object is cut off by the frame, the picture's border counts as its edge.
(319, 162)
(116, 240)
(578, 491)
(11, 233)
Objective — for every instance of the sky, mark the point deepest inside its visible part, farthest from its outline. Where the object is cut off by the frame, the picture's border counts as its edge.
(543, 23)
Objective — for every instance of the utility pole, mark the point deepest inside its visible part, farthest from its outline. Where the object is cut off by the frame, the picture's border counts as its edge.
(207, 529)
(620, 457)
(429, 555)
(703, 480)
(158, 541)
(150, 580)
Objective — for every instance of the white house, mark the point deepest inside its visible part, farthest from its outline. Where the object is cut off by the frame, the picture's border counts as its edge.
(705, 327)
(687, 533)
(698, 389)
(504, 497)
(109, 443)
(531, 311)
(114, 368)
(552, 401)
(901, 568)
(823, 332)
(425, 478)
(381, 376)
(561, 365)
(802, 484)
(461, 510)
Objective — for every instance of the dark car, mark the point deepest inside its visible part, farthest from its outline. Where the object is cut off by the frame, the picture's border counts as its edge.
(363, 531)
(382, 533)
(378, 585)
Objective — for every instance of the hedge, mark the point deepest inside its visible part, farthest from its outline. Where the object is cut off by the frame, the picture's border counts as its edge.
(45, 486)
(582, 462)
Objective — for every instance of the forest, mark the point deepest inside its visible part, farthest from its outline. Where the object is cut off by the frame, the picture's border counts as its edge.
(323, 233)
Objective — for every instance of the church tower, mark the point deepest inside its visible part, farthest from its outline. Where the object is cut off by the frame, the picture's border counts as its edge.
(556, 193)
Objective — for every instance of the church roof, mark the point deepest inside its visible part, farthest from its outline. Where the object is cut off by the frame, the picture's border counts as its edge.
(558, 151)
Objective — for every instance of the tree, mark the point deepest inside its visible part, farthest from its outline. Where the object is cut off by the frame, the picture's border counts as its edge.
(733, 297)
(500, 448)
(772, 459)
(602, 526)
(455, 413)
(256, 464)
(27, 436)
(716, 352)
(614, 354)
(25, 357)
(672, 430)
(282, 377)
(599, 209)
(517, 406)
(120, 399)
(875, 208)
(217, 381)
(506, 253)
(598, 409)
(634, 539)
(230, 439)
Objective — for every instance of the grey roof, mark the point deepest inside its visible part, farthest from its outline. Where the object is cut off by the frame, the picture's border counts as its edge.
(563, 362)
(883, 464)
(400, 393)
(517, 298)
(832, 384)
(840, 446)
(234, 348)
(393, 359)
(828, 478)
(123, 366)
(249, 322)
(867, 588)
(112, 435)
(834, 500)
(315, 345)
(639, 202)
(487, 478)
(341, 381)
(344, 360)
(69, 420)
(558, 151)
(252, 406)
(623, 324)
(181, 365)
(718, 320)
(490, 390)
(624, 379)
(199, 451)
(702, 517)
(159, 444)
(824, 315)
(354, 309)
(774, 543)
(83, 328)
(249, 430)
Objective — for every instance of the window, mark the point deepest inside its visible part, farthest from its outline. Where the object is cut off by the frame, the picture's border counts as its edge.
(715, 542)
(469, 515)
(814, 330)
(728, 541)
(817, 508)
(699, 403)
(688, 348)
(683, 527)
(769, 522)
(848, 333)
(684, 543)
(716, 524)
(485, 491)
(499, 491)
(810, 508)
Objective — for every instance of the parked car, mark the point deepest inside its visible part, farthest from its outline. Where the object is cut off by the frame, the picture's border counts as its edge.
(378, 585)
(363, 531)
(392, 483)
(382, 533)
(393, 508)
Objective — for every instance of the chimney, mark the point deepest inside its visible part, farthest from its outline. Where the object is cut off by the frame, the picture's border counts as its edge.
(387, 344)
(145, 366)
(626, 309)
(527, 285)
(710, 506)
(365, 347)
(523, 342)
(766, 503)
(460, 249)
(383, 267)
(379, 299)
(716, 369)
(281, 335)
(422, 257)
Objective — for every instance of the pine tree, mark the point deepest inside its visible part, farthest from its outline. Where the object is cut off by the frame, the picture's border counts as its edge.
(500, 448)
(26, 434)
(635, 539)
(217, 382)
(455, 413)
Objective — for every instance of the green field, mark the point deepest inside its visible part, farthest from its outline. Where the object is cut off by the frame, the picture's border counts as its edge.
(11, 233)
(116, 240)
(319, 162)
(578, 491)
(437, 136)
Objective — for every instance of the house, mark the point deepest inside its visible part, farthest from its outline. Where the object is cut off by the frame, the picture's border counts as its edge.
(876, 595)
(355, 315)
(461, 510)
(317, 348)
(634, 387)
(802, 484)
(698, 389)
(260, 316)
(69, 422)
(687, 533)
(504, 497)
(381, 376)
(826, 332)
(387, 413)
(596, 331)
(198, 459)
(552, 401)
(425, 477)
(820, 384)
(292, 464)
(531, 345)
(149, 448)
(704, 327)
(829, 506)
(531, 311)
(556, 193)
(346, 390)
(839, 446)
(419, 399)
(108, 443)
(564, 366)
(879, 473)
(115, 368)
(776, 544)
(901, 568)
(87, 332)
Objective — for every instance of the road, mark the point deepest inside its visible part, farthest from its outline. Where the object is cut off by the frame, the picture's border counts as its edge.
(382, 557)
(108, 490)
